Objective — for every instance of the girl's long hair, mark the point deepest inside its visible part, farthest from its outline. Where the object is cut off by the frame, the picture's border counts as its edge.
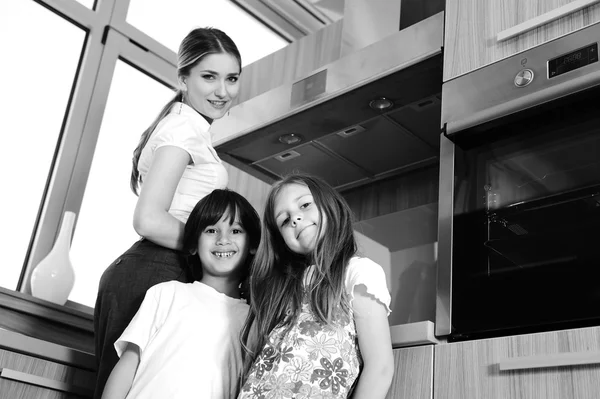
(208, 211)
(277, 274)
(195, 46)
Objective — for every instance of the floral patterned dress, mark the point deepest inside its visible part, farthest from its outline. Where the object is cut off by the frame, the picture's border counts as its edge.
(312, 361)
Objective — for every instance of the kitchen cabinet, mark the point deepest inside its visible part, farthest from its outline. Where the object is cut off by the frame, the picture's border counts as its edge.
(472, 28)
(413, 376)
(31, 368)
(553, 365)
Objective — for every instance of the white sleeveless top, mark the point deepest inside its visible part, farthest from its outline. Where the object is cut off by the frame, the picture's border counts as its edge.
(185, 128)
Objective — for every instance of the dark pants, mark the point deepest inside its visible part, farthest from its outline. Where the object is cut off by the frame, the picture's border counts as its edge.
(121, 292)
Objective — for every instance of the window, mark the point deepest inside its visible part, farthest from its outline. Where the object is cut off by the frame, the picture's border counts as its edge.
(56, 134)
(41, 53)
(104, 226)
(254, 39)
(88, 3)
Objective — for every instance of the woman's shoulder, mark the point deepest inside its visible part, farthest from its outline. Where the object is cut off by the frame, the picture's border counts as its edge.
(181, 131)
(175, 123)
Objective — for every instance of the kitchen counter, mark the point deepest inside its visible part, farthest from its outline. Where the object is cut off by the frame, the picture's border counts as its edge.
(413, 334)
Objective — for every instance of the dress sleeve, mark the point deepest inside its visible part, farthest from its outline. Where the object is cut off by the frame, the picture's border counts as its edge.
(177, 131)
(370, 274)
(146, 322)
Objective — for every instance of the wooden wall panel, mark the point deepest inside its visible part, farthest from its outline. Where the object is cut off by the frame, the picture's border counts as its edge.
(291, 63)
(253, 189)
(395, 194)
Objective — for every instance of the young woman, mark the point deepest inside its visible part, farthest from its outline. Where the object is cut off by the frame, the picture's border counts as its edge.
(318, 313)
(174, 166)
(184, 340)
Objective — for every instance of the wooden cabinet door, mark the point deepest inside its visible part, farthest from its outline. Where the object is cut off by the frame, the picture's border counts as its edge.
(28, 377)
(472, 28)
(413, 373)
(554, 365)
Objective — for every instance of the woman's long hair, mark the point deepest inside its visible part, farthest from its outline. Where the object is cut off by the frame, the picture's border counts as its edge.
(195, 46)
(277, 274)
(208, 211)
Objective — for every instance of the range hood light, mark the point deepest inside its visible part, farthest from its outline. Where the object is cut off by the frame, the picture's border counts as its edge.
(290, 138)
(381, 104)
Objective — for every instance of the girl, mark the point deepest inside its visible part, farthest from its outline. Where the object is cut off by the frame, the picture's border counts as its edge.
(184, 340)
(314, 303)
(174, 166)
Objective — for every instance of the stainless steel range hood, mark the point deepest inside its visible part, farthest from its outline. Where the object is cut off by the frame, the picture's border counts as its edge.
(342, 139)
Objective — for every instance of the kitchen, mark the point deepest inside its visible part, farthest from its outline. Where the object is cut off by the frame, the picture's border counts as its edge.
(409, 182)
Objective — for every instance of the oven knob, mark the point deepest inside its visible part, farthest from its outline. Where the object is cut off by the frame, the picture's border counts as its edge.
(524, 77)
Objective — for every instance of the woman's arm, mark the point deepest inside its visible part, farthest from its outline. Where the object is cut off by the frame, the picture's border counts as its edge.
(121, 378)
(151, 218)
(375, 344)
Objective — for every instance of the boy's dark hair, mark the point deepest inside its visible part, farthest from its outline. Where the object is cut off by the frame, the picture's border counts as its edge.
(208, 211)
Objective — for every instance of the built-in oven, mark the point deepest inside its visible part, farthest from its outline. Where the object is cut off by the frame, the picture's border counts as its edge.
(519, 205)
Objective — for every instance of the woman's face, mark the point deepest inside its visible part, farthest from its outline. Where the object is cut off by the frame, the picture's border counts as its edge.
(212, 85)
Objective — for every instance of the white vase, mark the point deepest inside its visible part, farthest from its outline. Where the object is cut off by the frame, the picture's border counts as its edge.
(54, 277)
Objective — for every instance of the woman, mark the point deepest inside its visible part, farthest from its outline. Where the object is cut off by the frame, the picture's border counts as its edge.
(174, 166)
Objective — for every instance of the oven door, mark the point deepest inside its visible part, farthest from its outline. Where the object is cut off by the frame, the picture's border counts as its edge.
(519, 227)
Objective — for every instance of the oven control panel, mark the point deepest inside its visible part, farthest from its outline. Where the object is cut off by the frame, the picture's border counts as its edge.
(573, 60)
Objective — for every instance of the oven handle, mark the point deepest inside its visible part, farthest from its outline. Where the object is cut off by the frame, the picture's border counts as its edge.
(544, 19)
(551, 360)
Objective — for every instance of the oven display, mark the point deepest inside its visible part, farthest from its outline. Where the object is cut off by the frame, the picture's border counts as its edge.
(576, 59)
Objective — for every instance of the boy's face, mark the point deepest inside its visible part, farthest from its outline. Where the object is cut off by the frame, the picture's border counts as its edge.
(223, 248)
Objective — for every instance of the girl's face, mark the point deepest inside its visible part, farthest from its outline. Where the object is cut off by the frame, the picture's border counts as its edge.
(223, 248)
(298, 218)
(212, 85)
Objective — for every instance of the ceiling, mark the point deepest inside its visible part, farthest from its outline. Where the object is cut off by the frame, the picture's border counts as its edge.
(294, 19)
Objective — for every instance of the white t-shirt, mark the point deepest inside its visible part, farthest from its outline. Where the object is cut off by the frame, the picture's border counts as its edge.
(188, 335)
(185, 128)
(370, 274)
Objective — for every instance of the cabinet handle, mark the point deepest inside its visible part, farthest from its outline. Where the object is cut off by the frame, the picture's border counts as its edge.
(544, 19)
(44, 382)
(553, 360)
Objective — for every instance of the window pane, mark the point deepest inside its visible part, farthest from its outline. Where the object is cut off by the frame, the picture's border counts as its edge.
(178, 17)
(88, 3)
(40, 53)
(104, 226)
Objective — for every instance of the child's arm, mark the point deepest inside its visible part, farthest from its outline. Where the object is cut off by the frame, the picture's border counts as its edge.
(375, 344)
(120, 379)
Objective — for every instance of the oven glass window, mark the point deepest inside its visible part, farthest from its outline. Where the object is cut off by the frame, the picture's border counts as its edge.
(526, 252)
